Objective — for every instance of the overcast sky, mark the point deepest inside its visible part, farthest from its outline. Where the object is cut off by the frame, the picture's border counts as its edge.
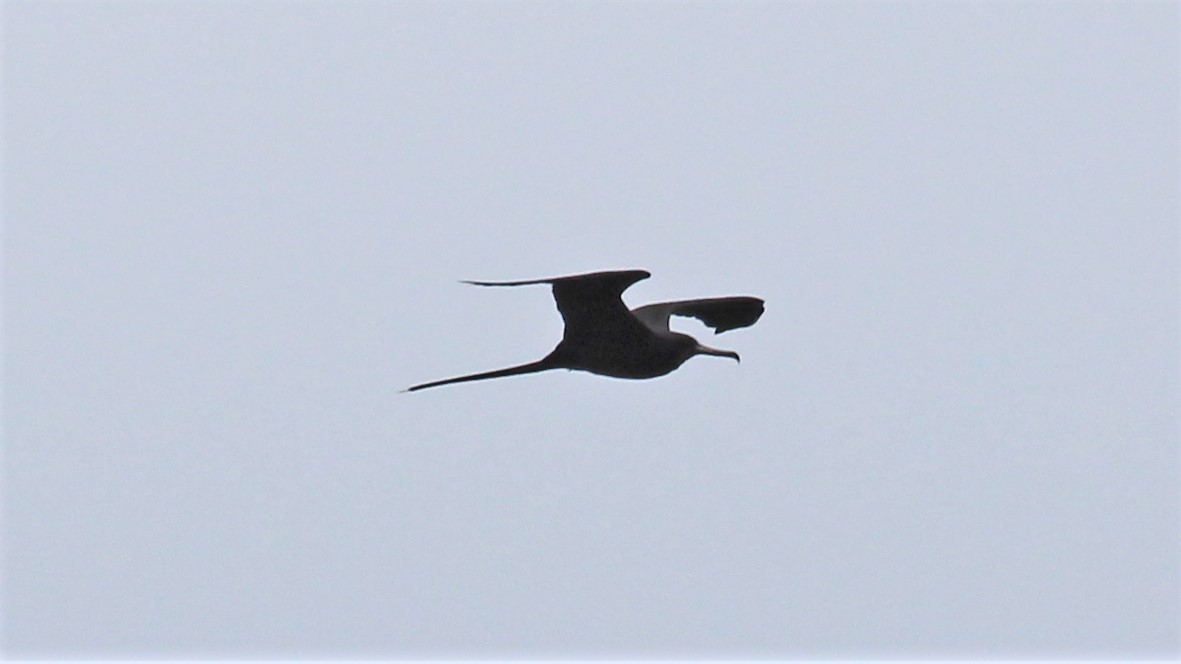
(233, 231)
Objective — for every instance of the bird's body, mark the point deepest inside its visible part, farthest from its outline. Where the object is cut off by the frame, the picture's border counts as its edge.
(647, 356)
(603, 337)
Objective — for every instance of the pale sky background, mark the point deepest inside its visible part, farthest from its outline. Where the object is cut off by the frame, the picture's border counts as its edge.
(233, 232)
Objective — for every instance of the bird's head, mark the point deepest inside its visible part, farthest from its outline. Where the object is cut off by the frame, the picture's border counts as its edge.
(685, 347)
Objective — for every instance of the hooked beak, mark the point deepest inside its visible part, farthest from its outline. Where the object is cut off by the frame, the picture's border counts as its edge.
(706, 350)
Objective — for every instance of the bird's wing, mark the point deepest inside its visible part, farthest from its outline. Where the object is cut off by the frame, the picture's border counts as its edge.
(590, 304)
(614, 282)
(720, 313)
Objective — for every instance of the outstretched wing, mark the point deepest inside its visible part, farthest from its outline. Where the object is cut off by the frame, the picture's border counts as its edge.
(590, 304)
(720, 313)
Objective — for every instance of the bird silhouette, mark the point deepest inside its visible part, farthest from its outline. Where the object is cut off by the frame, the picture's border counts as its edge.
(601, 336)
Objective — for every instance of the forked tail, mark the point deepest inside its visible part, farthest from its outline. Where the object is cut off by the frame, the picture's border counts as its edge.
(532, 367)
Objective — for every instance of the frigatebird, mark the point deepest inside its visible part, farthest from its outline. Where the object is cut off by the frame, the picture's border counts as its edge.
(601, 336)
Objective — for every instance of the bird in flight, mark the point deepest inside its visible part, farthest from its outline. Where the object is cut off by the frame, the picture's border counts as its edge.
(601, 336)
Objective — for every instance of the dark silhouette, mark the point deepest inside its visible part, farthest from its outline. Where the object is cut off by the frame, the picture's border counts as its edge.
(603, 337)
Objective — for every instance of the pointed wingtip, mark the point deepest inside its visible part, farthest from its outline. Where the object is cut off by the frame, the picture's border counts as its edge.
(527, 282)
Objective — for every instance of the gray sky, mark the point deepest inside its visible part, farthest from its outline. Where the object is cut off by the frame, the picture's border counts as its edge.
(233, 231)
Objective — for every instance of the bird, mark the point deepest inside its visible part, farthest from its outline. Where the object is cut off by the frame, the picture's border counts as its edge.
(603, 337)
